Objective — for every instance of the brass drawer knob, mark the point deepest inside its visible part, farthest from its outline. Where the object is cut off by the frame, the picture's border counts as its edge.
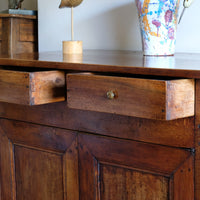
(111, 94)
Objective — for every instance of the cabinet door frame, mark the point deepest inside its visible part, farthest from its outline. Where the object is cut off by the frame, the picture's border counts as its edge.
(43, 139)
(174, 163)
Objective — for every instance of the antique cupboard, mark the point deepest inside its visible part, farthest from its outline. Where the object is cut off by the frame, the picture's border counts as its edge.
(108, 125)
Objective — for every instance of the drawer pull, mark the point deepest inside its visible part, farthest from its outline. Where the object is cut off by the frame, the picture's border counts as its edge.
(111, 95)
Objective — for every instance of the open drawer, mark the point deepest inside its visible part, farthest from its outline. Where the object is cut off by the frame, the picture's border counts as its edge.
(32, 88)
(138, 97)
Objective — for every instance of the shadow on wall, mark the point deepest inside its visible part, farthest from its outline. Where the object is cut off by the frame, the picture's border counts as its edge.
(116, 29)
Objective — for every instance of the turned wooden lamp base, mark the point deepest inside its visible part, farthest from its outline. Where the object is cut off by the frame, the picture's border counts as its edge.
(72, 47)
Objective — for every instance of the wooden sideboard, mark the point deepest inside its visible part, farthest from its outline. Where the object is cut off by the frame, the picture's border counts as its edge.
(110, 125)
(18, 34)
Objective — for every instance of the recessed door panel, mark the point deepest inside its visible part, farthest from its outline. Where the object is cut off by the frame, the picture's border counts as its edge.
(39, 174)
(37, 162)
(121, 184)
(123, 170)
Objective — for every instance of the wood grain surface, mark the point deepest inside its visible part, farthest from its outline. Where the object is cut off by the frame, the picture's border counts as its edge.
(4, 15)
(32, 88)
(38, 162)
(122, 62)
(51, 151)
(0, 34)
(27, 32)
(197, 142)
(120, 183)
(126, 159)
(138, 97)
(18, 35)
(179, 133)
(47, 87)
(0, 29)
(6, 42)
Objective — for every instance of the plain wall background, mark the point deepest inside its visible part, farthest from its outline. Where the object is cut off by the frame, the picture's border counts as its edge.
(108, 24)
(3, 4)
(29, 4)
(104, 24)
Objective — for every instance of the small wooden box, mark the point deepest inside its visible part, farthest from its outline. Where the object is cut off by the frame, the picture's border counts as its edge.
(18, 34)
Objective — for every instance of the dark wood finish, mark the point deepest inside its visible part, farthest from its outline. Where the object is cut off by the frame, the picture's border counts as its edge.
(144, 98)
(51, 151)
(32, 88)
(179, 133)
(29, 162)
(26, 33)
(6, 15)
(37, 162)
(124, 62)
(122, 183)
(0, 29)
(0, 33)
(182, 177)
(197, 142)
(7, 172)
(18, 34)
(126, 159)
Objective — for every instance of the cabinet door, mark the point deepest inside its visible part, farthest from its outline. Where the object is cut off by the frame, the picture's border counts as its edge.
(113, 169)
(37, 162)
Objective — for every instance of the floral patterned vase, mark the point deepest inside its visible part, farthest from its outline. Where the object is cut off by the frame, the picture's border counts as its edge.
(158, 24)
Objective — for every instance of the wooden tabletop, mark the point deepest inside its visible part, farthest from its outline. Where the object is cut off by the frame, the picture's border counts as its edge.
(6, 15)
(126, 62)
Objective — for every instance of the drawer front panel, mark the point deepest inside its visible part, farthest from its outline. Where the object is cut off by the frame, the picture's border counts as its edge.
(32, 88)
(146, 98)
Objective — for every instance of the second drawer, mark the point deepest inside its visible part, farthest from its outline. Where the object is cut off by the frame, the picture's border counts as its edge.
(138, 97)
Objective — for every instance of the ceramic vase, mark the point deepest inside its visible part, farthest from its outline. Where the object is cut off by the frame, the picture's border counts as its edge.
(158, 25)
